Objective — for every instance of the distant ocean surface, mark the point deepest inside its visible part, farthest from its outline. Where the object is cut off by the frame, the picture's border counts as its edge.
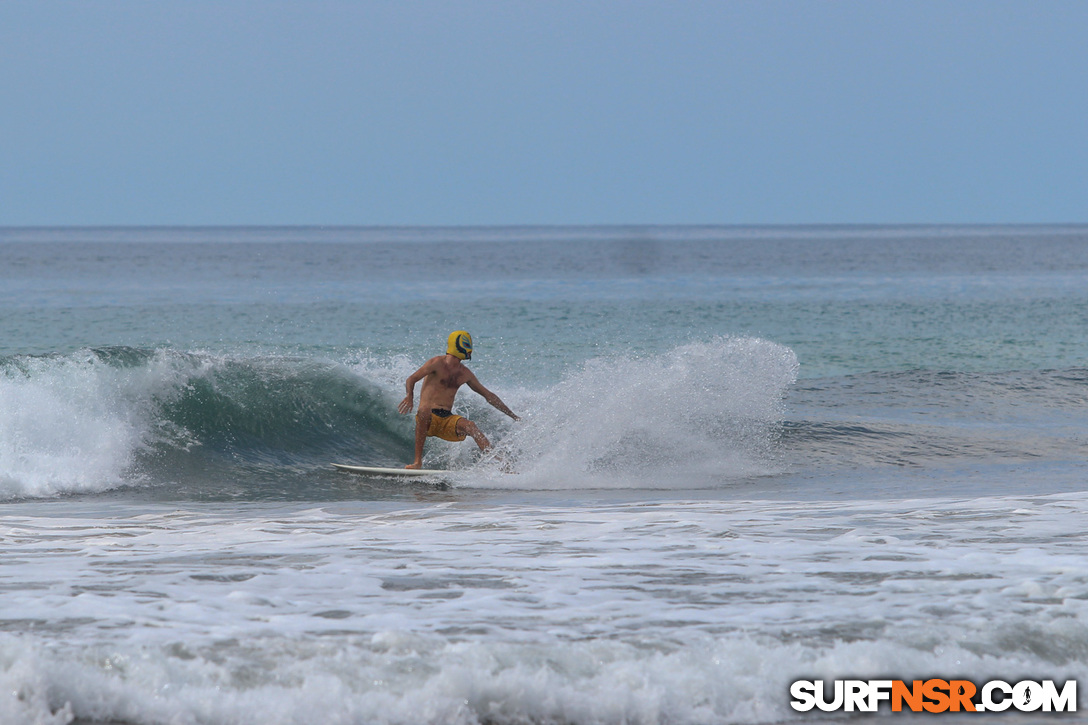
(747, 456)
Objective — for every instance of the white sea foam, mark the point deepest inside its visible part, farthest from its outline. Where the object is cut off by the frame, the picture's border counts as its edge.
(75, 423)
(420, 681)
(685, 612)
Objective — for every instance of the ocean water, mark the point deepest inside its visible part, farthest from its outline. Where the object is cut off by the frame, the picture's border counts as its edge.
(747, 456)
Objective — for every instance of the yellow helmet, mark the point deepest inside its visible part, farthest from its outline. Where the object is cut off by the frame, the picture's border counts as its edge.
(460, 345)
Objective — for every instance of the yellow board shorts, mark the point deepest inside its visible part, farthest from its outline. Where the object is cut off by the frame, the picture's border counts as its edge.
(445, 428)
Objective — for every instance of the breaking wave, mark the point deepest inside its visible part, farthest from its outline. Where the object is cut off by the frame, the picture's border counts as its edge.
(99, 419)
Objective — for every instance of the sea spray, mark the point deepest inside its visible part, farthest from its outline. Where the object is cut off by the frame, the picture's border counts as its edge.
(710, 409)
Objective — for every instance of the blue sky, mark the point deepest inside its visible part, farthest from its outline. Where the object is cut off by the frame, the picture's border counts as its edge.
(547, 112)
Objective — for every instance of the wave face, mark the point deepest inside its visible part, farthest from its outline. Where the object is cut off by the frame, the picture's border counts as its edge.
(212, 425)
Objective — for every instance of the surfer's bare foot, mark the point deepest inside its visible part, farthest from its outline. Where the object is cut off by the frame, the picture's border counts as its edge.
(414, 466)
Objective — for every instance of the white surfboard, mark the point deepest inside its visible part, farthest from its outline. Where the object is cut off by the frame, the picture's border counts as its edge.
(378, 472)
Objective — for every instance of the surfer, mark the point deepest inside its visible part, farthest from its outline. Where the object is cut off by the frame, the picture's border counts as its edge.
(442, 376)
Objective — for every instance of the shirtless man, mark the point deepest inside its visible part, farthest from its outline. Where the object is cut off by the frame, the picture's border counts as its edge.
(441, 377)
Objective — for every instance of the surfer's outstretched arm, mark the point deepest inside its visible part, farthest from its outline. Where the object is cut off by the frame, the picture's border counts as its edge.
(493, 400)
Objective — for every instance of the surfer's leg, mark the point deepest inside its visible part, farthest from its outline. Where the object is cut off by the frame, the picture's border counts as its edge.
(423, 423)
(467, 427)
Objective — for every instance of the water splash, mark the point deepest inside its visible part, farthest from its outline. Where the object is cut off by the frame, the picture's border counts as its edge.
(702, 411)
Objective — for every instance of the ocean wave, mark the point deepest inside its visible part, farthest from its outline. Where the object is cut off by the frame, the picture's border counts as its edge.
(99, 419)
(698, 415)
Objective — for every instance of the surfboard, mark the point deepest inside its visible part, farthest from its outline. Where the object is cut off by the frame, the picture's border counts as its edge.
(379, 472)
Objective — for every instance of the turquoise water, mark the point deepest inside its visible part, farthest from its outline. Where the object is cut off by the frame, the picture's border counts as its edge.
(847, 301)
(746, 455)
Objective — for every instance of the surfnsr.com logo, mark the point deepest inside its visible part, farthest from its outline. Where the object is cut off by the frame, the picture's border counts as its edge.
(934, 695)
